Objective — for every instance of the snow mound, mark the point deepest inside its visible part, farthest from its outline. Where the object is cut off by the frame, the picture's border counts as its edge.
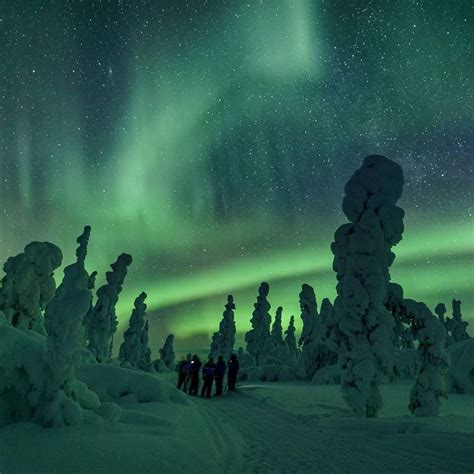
(460, 378)
(111, 383)
(24, 378)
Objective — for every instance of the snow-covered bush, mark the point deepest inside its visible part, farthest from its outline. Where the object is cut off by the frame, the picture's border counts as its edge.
(167, 352)
(430, 387)
(258, 339)
(290, 341)
(455, 326)
(223, 340)
(28, 285)
(102, 320)
(362, 328)
(279, 347)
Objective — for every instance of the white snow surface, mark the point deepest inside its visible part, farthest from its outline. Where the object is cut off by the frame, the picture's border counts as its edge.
(292, 427)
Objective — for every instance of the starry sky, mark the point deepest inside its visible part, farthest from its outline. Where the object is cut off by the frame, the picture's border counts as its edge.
(212, 141)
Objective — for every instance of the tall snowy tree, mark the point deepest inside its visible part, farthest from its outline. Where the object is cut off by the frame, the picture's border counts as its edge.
(290, 341)
(279, 348)
(28, 285)
(430, 386)
(258, 339)
(224, 339)
(131, 348)
(167, 352)
(456, 326)
(102, 321)
(63, 321)
(362, 328)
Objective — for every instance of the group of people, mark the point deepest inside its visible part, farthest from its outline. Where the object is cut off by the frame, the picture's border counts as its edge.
(189, 369)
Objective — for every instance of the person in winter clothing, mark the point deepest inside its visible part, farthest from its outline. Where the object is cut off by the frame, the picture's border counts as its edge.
(208, 374)
(220, 371)
(195, 366)
(183, 372)
(232, 371)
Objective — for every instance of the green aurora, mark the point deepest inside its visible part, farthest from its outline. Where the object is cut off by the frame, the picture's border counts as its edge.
(213, 143)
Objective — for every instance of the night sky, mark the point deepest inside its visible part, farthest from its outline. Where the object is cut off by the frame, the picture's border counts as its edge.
(212, 141)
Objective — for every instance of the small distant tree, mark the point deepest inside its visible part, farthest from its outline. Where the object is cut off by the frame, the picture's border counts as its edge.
(440, 311)
(167, 352)
(224, 339)
(279, 347)
(430, 387)
(456, 327)
(145, 362)
(258, 339)
(406, 338)
(326, 309)
(290, 341)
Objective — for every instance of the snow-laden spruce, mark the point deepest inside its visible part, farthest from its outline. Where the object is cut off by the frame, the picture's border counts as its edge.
(456, 327)
(430, 385)
(28, 285)
(224, 339)
(326, 309)
(131, 349)
(102, 320)
(167, 352)
(406, 339)
(258, 339)
(37, 374)
(145, 362)
(290, 341)
(362, 257)
(279, 347)
(440, 311)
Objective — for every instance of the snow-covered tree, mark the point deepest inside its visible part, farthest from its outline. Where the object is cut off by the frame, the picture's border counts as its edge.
(362, 328)
(167, 352)
(326, 309)
(290, 341)
(223, 340)
(406, 338)
(440, 311)
(145, 362)
(28, 285)
(131, 348)
(63, 321)
(312, 350)
(258, 339)
(425, 396)
(86, 322)
(279, 347)
(456, 326)
(102, 321)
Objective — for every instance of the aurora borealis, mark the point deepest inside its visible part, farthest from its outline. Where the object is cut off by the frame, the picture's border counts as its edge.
(212, 141)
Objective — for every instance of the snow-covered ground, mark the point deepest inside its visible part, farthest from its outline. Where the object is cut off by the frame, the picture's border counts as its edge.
(264, 427)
